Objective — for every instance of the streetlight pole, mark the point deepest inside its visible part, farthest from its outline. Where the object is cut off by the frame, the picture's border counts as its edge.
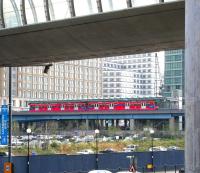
(152, 159)
(28, 131)
(96, 155)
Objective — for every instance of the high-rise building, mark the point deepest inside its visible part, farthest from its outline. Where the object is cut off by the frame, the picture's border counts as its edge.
(131, 76)
(174, 73)
(81, 79)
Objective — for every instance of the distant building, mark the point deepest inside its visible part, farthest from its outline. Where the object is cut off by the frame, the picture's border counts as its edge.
(131, 76)
(174, 74)
(65, 80)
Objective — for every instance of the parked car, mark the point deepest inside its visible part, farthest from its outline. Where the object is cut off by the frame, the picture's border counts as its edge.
(170, 148)
(108, 150)
(158, 148)
(130, 148)
(86, 151)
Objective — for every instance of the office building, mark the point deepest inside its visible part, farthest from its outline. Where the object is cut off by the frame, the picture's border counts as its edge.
(131, 76)
(174, 73)
(81, 79)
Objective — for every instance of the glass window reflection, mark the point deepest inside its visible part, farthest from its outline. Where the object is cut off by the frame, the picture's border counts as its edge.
(110, 5)
(11, 13)
(85, 7)
(59, 9)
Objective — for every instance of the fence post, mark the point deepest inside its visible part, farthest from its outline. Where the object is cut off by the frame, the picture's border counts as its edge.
(142, 169)
(165, 168)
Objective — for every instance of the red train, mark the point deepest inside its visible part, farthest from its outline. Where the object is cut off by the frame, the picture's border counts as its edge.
(92, 105)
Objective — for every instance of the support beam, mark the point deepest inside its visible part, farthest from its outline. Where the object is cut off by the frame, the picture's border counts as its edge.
(87, 124)
(180, 123)
(23, 12)
(52, 12)
(129, 3)
(46, 10)
(33, 11)
(192, 86)
(132, 124)
(71, 8)
(14, 5)
(99, 6)
(10, 117)
(2, 23)
(172, 124)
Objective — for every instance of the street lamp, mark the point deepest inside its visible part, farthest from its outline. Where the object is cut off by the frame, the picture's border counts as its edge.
(96, 156)
(28, 131)
(152, 159)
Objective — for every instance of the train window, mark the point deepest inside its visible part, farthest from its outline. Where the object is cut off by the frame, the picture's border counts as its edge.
(32, 107)
(111, 106)
(49, 107)
(62, 107)
(75, 106)
(127, 106)
(37, 108)
(96, 106)
(143, 105)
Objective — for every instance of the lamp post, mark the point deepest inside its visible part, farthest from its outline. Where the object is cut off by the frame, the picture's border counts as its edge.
(96, 156)
(152, 159)
(28, 131)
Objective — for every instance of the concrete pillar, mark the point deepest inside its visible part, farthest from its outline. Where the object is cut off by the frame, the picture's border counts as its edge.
(180, 123)
(87, 124)
(102, 123)
(125, 123)
(106, 124)
(132, 124)
(115, 123)
(112, 123)
(192, 86)
(172, 124)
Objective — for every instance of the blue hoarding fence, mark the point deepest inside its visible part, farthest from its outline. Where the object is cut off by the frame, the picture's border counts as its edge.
(4, 125)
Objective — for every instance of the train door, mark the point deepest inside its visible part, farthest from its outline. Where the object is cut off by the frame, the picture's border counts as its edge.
(37, 108)
(143, 105)
(49, 107)
(96, 106)
(75, 106)
(62, 107)
(127, 105)
(111, 106)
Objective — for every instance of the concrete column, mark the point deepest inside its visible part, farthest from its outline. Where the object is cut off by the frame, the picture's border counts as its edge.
(132, 124)
(192, 86)
(106, 124)
(125, 123)
(180, 123)
(115, 123)
(87, 124)
(112, 123)
(172, 124)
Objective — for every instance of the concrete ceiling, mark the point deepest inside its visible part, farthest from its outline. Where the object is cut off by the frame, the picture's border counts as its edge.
(130, 31)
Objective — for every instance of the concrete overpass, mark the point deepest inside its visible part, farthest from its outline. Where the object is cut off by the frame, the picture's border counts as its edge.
(129, 31)
(41, 116)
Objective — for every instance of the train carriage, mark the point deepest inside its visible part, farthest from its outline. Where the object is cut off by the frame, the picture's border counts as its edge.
(94, 105)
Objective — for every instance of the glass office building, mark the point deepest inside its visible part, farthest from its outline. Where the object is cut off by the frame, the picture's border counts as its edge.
(174, 73)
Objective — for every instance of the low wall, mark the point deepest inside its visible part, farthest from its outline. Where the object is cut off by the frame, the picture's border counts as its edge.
(84, 163)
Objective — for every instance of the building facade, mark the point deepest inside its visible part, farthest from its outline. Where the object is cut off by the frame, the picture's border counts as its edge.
(174, 73)
(64, 81)
(131, 76)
